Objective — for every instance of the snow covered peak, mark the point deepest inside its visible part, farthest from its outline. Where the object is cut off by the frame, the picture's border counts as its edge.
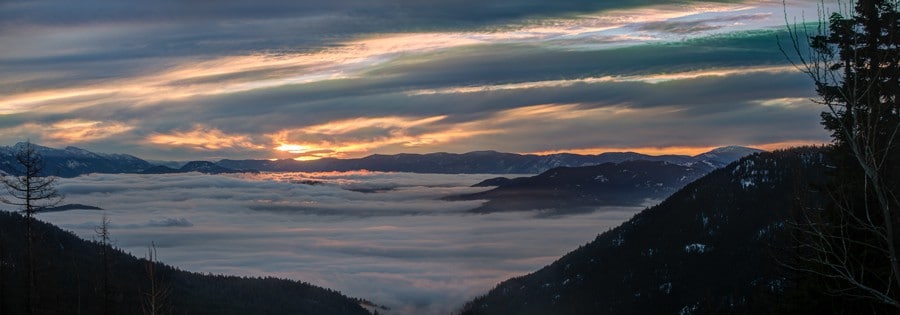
(75, 151)
(725, 155)
(734, 149)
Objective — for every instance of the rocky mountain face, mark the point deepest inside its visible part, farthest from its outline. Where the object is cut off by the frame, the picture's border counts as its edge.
(710, 248)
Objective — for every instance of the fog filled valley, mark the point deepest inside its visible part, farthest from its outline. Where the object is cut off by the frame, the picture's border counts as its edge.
(400, 246)
(523, 157)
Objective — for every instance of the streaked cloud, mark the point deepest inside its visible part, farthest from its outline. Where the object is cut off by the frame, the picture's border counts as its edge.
(203, 138)
(362, 135)
(79, 131)
(652, 79)
(186, 81)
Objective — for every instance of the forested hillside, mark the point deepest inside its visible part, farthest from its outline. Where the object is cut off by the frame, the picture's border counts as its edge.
(70, 280)
(710, 248)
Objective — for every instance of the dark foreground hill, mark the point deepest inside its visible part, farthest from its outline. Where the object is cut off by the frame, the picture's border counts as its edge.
(69, 274)
(707, 249)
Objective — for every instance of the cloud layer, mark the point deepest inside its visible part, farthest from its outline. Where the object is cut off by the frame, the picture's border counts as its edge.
(401, 247)
(350, 78)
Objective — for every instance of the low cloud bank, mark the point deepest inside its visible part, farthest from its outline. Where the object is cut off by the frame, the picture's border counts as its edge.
(402, 247)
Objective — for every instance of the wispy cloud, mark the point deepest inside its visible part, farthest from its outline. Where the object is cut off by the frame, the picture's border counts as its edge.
(362, 135)
(650, 78)
(201, 83)
(203, 138)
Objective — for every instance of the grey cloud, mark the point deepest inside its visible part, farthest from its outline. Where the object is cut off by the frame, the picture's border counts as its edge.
(160, 223)
(170, 222)
(713, 103)
(422, 13)
(699, 25)
(382, 92)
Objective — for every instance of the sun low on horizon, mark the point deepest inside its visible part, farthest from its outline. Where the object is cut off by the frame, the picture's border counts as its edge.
(307, 81)
(412, 157)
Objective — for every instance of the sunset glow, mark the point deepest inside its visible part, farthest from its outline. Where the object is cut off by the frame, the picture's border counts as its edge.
(203, 138)
(388, 91)
(359, 145)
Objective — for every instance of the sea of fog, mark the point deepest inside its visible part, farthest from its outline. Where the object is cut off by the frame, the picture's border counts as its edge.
(385, 237)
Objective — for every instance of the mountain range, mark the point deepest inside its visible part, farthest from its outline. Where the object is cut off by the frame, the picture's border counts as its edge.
(72, 161)
(710, 248)
(567, 190)
(481, 162)
(194, 166)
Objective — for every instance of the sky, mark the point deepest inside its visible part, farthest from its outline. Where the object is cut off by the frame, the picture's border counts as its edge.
(185, 80)
(403, 247)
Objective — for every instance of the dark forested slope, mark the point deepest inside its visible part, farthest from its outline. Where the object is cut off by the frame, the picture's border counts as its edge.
(69, 277)
(707, 249)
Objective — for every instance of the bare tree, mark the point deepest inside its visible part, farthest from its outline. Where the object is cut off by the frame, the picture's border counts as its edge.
(102, 232)
(31, 191)
(854, 61)
(156, 298)
(2, 271)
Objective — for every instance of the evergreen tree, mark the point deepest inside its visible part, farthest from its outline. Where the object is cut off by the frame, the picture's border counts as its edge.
(853, 246)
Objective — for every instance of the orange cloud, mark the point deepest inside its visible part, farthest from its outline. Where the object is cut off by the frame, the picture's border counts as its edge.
(75, 131)
(203, 138)
(649, 79)
(230, 74)
(349, 125)
(358, 136)
(68, 132)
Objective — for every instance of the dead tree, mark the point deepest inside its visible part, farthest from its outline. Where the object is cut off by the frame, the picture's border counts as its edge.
(30, 190)
(105, 252)
(156, 299)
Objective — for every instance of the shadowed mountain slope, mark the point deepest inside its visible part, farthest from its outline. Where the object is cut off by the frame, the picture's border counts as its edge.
(69, 272)
(707, 249)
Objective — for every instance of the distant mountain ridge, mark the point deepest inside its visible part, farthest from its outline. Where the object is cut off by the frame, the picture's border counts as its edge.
(707, 249)
(481, 162)
(194, 166)
(72, 161)
(567, 190)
